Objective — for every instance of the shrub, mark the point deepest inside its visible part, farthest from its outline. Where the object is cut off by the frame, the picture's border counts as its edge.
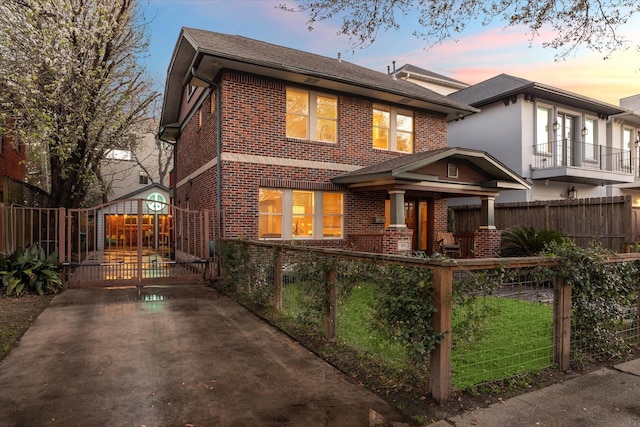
(30, 270)
(521, 240)
(601, 294)
(404, 309)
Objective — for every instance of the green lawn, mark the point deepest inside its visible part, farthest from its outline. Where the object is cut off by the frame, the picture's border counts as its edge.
(514, 337)
(355, 326)
(510, 336)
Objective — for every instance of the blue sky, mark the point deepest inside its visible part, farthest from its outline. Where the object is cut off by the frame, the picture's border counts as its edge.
(480, 53)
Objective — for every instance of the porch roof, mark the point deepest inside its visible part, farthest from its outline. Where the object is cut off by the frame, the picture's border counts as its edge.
(486, 176)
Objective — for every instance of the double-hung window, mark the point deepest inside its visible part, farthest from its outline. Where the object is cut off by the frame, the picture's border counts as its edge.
(311, 115)
(300, 214)
(392, 129)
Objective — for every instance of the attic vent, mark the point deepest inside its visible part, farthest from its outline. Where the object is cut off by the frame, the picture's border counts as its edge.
(452, 170)
(405, 100)
(311, 81)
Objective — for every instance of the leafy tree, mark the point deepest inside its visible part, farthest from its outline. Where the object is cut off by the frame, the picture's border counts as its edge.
(69, 76)
(521, 240)
(590, 23)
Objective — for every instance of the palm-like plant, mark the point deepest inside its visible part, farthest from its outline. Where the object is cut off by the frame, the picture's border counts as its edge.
(521, 240)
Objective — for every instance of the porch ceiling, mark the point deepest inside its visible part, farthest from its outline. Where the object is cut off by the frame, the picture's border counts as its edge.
(486, 176)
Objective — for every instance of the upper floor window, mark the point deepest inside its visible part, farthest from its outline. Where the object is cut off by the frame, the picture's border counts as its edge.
(118, 155)
(311, 115)
(628, 141)
(300, 214)
(144, 178)
(543, 130)
(589, 135)
(190, 91)
(392, 129)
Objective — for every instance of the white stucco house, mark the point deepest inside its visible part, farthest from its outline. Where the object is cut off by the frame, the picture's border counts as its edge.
(567, 145)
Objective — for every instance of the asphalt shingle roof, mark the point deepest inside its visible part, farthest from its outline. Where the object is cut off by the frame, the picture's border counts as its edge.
(504, 85)
(257, 52)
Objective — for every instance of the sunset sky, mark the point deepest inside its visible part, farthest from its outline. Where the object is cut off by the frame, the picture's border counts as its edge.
(480, 52)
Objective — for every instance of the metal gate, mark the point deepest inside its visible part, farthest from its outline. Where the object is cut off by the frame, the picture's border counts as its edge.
(129, 242)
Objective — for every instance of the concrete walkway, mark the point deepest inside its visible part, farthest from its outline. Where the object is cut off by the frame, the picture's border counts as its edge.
(173, 356)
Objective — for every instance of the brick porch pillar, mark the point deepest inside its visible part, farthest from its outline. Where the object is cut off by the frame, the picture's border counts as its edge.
(486, 242)
(397, 241)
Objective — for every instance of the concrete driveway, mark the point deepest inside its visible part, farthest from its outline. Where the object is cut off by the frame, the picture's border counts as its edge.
(171, 356)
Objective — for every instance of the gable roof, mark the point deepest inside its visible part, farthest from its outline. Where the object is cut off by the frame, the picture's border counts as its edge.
(134, 193)
(401, 171)
(503, 86)
(199, 56)
(411, 71)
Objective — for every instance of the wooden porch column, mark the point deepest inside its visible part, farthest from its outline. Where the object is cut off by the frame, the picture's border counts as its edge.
(487, 212)
(396, 198)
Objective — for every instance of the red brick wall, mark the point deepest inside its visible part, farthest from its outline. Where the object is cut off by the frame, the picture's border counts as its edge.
(391, 238)
(486, 243)
(439, 217)
(253, 123)
(11, 160)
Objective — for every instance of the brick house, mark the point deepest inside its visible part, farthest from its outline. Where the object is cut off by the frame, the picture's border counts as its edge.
(288, 145)
(12, 160)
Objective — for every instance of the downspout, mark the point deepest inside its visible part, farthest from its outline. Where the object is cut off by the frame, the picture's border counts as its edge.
(175, 167)
(218, 93)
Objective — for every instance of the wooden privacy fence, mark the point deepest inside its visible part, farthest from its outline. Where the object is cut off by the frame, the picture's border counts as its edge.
(609, 220)
(266, 273)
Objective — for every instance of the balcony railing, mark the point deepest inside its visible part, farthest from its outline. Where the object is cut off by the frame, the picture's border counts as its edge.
(566, 152)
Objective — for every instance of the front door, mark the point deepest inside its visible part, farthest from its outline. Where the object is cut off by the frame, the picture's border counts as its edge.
(417, 214)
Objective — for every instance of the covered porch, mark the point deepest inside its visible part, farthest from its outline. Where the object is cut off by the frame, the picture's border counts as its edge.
(416, 188)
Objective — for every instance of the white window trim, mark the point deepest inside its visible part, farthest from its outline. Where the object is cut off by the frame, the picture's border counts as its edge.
(393, 127)
(318, 216)
(313, 114)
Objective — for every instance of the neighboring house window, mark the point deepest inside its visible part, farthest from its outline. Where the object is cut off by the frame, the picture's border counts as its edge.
(543, 129)
(311, 115)
(627, 147)
(590, 139)
(392, 129)
(300, 214)
(144, 178)
(119, 155)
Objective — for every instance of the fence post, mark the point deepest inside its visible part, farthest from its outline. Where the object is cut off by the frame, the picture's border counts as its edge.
(562, 319)
(440, 357)
(61, 216)
(638, 318)
(277, 280)
(330, 301)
